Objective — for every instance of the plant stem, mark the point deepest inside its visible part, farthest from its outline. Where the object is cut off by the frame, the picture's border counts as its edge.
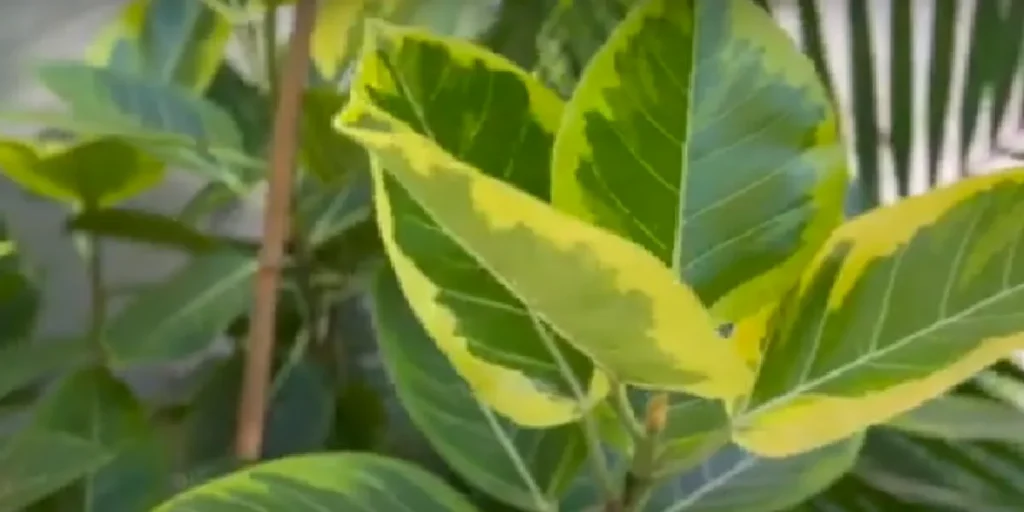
(640, 478)
(624, 410)
(97, 294)
(270, 47)
(591, 432)
(276, 220)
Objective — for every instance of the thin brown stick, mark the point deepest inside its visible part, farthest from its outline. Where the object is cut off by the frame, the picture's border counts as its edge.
(252, 408)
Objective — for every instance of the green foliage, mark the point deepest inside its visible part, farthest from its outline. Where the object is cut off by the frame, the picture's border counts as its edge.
(619, 281)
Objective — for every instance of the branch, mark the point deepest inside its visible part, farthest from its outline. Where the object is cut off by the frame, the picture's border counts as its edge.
(277, 213)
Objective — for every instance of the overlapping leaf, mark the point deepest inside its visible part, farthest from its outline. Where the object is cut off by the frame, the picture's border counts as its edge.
(963, 417)
(419, 80)
(171, 41)
(328, 481)
(164, 118)
(19, 297)
(468, 246)
(700, 132)
(185, 313)
(341, 24)
(900, 305)
(27, 363)
(95, 173)
(735, 480)
(299, 416)
(36, 463)
(94, 406)
(525, 468)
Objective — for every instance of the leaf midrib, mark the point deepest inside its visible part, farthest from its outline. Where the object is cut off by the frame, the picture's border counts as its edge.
(900, 343)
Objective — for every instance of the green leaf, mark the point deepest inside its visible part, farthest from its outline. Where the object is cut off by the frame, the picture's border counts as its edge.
(95, 173)
(330, 211)
(247, 105)
(19, 297)
(695, 429)
(37, 463)
(141, 226)
(526, 468)
(93, 405)
(570, 37)
(327, 154)
(477, 256)
(902, 304)
(328, 481)
(731, 171)
(736, 480)
(164, 118)
(341, 24)
(299, 420)
(170, 41)
(27, 363)
(185, 313)
(963, 417)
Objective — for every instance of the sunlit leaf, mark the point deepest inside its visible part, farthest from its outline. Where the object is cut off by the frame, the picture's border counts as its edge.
(95, 173)
(473, 246)
(185, 313)
(328, 481)
(902, 304)
(172, 41)
(419, 79)
(701, 133)
(525, 468)
(93, 405)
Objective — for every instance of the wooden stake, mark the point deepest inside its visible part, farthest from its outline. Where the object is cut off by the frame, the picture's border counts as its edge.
(276, 219)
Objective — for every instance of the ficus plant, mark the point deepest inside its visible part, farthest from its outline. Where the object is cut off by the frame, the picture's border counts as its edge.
(642, 297)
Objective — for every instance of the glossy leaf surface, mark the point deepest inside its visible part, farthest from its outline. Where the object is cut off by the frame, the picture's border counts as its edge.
(902, 304)
(701, 133)
(327, 481)
(523, 467)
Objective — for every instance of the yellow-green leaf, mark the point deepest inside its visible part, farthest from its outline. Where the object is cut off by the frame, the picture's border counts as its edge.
(95, 173)
(606, 297)
(324, 481)
(700, 132)
(165, 40)
(901, 304)
(526, 468)
(340, 24)
(421, 80)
